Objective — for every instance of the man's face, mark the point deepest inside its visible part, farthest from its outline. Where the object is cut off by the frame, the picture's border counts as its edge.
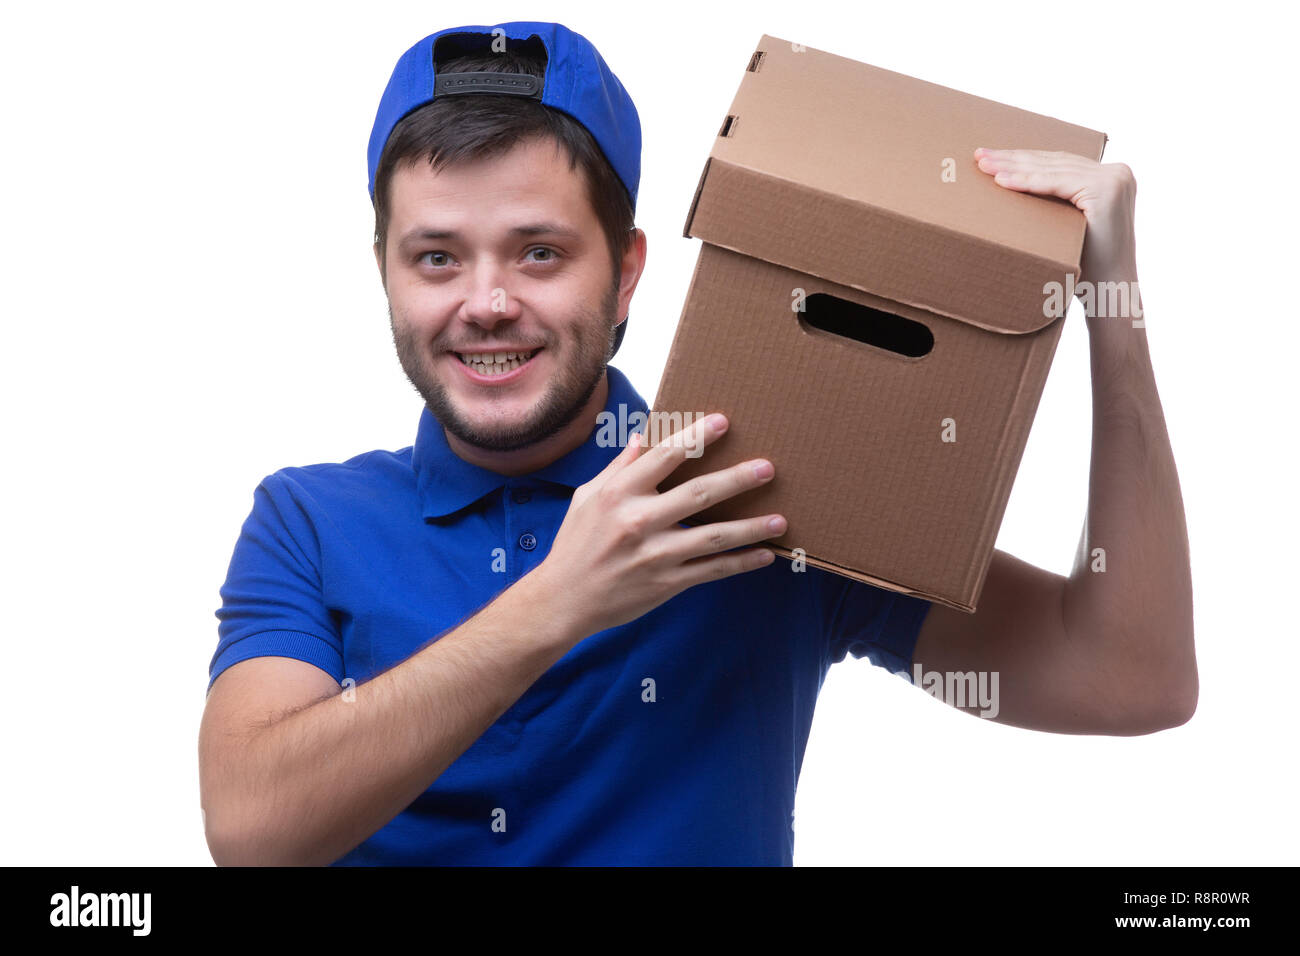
(495, 257)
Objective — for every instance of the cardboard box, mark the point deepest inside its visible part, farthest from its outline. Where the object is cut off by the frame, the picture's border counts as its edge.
(852, 192)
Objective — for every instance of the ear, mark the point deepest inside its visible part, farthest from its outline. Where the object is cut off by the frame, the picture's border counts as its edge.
(380, 263)
(631, 267)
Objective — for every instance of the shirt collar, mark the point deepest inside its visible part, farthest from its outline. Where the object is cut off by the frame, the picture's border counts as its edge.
(446, 482)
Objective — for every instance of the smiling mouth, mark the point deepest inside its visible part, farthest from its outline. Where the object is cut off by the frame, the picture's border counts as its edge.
(495, 363)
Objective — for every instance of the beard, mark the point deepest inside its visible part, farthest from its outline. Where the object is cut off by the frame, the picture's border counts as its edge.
(592, 346)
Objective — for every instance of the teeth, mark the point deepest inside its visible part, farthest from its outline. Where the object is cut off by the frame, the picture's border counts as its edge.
(495, 363)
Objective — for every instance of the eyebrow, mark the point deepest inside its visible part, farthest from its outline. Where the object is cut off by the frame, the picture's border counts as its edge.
(531, 229)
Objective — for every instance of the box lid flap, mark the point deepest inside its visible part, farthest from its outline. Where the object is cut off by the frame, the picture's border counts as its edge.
(867, 178)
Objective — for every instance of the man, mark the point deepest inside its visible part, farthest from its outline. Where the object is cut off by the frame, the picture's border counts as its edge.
(501, 645)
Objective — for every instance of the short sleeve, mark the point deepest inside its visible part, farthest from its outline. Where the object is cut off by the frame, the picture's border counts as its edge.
(871, 622)
(272, 602)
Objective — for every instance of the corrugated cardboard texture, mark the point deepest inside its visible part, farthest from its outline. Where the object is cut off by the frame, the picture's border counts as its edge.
(829, 180)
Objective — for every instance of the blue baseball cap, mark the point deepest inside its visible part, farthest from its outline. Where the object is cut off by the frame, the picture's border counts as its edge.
(577, 81)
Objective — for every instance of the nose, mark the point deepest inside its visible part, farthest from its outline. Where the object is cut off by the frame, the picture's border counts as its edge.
(488, 300)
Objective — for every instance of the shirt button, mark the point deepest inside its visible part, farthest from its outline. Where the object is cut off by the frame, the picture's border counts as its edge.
(521, 496)
(527, 541)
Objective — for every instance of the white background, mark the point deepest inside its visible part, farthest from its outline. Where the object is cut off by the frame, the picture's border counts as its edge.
(190, 302)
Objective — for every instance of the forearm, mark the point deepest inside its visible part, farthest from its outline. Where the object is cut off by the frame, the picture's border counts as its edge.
(1128, 600)
(312, 786)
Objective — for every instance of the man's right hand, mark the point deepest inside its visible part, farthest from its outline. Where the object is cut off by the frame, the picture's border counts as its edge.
(620, 551)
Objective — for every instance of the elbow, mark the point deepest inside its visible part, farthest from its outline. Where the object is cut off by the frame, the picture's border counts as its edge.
(1167, 702)
(242, 831)
(1171, 712)
(232, 844)
(1148, 678)
(1181, 704)
(230, 841)
(225, 839)
(1180, 687)
(226, 817)
(238, 835)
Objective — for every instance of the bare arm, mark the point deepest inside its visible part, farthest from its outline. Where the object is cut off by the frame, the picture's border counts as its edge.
(1108, 650)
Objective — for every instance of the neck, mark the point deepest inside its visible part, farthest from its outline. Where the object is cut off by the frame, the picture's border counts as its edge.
(523, 461)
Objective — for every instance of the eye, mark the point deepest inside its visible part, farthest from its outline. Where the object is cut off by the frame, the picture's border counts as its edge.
(446, 259)
(550, 255)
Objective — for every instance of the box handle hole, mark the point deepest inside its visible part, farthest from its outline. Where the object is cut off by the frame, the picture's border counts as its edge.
(862, 323)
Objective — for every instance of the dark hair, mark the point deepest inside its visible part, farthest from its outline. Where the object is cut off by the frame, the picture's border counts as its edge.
(457, 129)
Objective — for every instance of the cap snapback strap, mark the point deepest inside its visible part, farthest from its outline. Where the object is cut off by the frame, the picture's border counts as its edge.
(515, 84)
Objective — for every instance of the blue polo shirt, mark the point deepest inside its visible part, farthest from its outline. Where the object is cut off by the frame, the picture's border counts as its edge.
(674, 739)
